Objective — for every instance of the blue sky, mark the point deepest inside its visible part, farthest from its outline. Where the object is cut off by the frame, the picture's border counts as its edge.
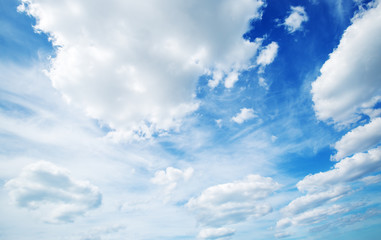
(244, 119)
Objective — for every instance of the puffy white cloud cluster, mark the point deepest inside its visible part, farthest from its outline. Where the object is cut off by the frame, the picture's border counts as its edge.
(349, 85)
(134, 65)
(51, 191)
(327, 187)
(233, 202)
(244, 115)
(350, 81)
(295, 20)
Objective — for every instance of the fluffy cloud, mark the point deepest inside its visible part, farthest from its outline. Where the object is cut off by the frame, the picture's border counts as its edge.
(295, 20)
(134, 65)
(267, 55)
(347, 170)
(51, 190)
(233, 202)
(245, 114)
(359, 139)
(351, 78)
(216, 233)
(171, 176)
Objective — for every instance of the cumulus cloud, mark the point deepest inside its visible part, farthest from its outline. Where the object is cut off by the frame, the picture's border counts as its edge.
(359, 139)
(51, 190)
(267, 55)
(244, 115)
(171, 176)
(134, 65)
(216, 233)
(295, 20)
(233, 202)
(347, 170)
(351, 77)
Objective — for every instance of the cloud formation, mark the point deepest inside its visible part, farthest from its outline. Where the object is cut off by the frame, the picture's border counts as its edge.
(244, 115)
(295, 20)
(350, 79)
(233, 202)
(171, 176)
(49, 189)
(359, 139)
(313, 216)
(267, 55)
(216, 233)
(347, 170)
(134, 65)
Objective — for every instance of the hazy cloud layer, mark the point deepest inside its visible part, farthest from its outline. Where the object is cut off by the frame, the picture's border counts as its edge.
(51, 191)
(216, 233)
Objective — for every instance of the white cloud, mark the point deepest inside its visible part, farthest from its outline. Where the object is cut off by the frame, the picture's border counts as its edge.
(134, 65)
(267, 55)
(314, 200)
(231, 79)
(282, 234)
(347, 170)
(216, 233)
(244, 115)
(311, 217)
(52, 191)
(295, 20)
(233, 202)
(372, 179)
(359, 139)
(171, 177)
(262, 82)
(351, 77)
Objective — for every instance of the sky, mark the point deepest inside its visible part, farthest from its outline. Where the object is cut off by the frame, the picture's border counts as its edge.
(174, 120)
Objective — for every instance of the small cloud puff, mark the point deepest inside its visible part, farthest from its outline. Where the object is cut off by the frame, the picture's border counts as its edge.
(53, 192)
(267, 55)
(245, 114)
(171, 176)
(294, 21)
(262, 82)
